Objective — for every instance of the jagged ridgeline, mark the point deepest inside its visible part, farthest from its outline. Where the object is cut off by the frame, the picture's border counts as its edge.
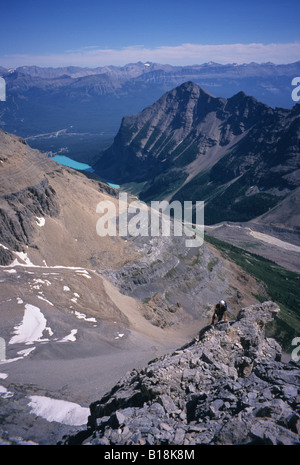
(89, 100)
(238, 155)
(228, 386)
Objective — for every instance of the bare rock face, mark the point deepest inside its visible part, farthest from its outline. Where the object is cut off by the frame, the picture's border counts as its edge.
(228, 386)
(21, 209)
(238, 155)
(184, 123)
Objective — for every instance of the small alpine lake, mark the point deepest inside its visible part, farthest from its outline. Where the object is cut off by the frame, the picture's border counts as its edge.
(66, 161)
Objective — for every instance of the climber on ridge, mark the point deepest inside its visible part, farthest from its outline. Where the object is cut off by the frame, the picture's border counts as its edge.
(220, 312)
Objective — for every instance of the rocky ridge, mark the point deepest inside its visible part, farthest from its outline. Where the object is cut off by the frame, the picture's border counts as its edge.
(227, 386)
(177, 284)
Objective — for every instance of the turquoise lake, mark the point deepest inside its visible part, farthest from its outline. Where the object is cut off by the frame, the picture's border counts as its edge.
(66, 161)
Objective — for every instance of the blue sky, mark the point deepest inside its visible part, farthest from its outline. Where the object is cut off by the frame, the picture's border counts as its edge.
(98, 33)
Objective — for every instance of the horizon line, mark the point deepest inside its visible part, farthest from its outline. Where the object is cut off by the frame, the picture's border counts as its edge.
(152, 63)
(189, 54)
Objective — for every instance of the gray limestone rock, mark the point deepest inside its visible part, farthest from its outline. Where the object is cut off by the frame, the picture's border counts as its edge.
(228, 387)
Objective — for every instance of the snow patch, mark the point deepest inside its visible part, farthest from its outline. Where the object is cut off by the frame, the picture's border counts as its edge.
(31, 328)
(40, 221)
(61, 411)
(82, 316)
(10, 360)
(41, 281)
(84, 273)
(70, 337)
(23, 353)
(24, 257)
(43, 298)
(26, 352)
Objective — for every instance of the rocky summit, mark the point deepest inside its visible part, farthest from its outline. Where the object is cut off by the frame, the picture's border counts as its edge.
(227, 386)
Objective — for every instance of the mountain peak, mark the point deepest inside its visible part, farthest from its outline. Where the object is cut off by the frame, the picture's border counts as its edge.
(241, 101)
(172, 145)
(183, 124)
(241, 95)
(191, 87)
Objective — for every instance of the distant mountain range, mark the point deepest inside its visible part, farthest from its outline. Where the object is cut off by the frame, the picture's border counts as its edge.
(238, 155)
(44, 100)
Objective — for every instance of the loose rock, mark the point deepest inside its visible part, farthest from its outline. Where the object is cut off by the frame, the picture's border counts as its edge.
(229, 386)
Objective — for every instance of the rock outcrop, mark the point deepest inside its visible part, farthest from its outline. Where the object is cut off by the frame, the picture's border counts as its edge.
(19, 215)
(228, 386)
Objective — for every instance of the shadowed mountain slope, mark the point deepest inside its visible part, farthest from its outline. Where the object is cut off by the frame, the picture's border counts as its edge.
(238, 155)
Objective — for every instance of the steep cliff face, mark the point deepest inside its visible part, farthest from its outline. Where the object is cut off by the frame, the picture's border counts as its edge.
(182, 124)
(238, 155)
(25, 194)
(228, 386)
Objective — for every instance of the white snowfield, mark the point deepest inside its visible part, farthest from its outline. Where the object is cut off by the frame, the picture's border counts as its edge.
(31, 328)
(33, 325)
(61, 411)
(82, 316)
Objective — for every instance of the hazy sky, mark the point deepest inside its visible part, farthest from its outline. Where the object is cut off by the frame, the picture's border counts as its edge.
(96, 33)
